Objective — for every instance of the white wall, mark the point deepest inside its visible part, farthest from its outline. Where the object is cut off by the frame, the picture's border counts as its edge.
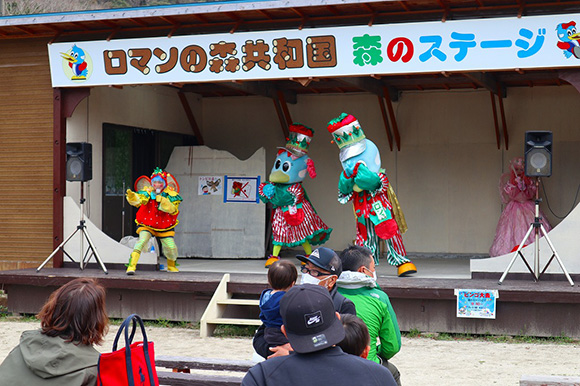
(447, 171)
(445, 175)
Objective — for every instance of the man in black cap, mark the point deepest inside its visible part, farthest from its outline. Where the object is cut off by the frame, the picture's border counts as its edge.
(314, 329)
(322, 267)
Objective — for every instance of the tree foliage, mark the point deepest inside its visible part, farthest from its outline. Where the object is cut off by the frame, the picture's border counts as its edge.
(30, 7)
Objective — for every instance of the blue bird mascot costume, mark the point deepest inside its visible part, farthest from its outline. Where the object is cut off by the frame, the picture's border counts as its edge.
(294, 220)
(366, 185)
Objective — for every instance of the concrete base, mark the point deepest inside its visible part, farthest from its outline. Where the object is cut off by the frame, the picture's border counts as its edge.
(564, 238)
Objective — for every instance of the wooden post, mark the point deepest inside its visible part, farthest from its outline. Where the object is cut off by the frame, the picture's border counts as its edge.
(497, 137)
(393, 118)
(386, 121)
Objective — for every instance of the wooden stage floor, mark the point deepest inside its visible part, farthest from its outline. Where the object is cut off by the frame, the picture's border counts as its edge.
(426, 302)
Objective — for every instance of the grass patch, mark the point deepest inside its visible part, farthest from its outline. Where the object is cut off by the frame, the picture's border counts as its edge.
(233, 331)
(8, 317)
(161, 322)
(413, 333)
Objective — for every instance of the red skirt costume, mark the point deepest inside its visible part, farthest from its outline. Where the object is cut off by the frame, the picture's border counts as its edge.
(294, 220)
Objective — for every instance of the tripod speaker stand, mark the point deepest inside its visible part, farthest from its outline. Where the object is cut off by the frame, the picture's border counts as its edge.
(537, 227)
(84, 255)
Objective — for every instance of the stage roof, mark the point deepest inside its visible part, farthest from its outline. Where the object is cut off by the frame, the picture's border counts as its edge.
(239, 16)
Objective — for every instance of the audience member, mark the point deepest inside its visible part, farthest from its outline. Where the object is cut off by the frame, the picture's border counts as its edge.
(61, 352)
(358, 283)
(314, 329)
(323, 267)
(282, 276)
(356, 336)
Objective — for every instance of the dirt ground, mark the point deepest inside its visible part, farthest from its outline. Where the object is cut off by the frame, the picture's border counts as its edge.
(421, 361)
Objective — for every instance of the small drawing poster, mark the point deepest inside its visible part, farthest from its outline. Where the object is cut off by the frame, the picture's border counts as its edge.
(473, 303)
(210, 185)
(241, 189)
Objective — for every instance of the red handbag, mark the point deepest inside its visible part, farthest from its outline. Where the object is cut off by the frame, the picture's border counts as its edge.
(132, 365)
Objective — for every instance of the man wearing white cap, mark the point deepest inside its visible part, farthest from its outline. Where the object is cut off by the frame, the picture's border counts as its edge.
(314, 329)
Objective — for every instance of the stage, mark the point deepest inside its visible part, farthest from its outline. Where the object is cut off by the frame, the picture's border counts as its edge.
(425, 302)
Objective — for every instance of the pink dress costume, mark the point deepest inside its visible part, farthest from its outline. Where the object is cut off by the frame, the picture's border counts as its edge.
(517, 193)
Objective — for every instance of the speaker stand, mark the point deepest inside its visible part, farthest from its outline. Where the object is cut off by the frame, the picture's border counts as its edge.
(84, 257)
(536, 226)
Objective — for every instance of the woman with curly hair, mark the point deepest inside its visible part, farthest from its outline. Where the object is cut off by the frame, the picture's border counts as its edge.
(61, 352)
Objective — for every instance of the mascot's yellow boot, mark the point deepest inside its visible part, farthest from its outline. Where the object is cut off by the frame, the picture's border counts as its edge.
(133, 263)
(406, 269)
(171, 266)
(271, 260)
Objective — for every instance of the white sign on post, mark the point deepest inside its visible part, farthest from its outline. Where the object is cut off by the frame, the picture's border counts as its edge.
(474, 303)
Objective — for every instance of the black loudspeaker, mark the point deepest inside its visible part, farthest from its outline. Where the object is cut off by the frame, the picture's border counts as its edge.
(79, 161)
(538, 153)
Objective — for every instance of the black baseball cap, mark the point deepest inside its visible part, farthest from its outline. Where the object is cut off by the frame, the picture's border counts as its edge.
(310, 319)
(324, 258)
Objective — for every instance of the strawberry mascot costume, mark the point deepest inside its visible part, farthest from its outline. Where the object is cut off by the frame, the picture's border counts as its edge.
(158, 201)
(365, 184)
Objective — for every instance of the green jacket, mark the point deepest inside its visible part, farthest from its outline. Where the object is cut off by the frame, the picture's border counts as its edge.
(49, 361)
(374, 308)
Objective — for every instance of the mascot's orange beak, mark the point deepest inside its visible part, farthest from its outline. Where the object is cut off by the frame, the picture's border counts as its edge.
(66, 56)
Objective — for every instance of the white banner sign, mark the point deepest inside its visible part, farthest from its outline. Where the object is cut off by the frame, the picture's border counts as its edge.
(466, 45)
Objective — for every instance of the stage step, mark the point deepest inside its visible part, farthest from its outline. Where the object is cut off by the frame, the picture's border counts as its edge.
(237, 321)
(217, 306)
(240, 302)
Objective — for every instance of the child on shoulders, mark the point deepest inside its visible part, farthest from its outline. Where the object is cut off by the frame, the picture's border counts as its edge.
(282, 276)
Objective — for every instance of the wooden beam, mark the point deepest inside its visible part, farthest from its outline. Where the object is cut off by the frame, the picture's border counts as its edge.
(426, 80)
(503, 122)
(494, 109)
(71, 99)
(191, 118)
(284, 106)
(393, 118)
(372, 85)
(64, 103)
(265, 89)
(488, 81)
(58, 173)
(386, 121)
(173, 30)
(281, 118)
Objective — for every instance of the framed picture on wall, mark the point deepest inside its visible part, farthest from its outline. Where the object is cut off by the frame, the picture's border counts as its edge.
(209, 185)
(241, 189)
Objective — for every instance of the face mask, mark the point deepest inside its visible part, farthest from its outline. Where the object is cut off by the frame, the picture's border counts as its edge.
(308, 279)
(374, 276)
